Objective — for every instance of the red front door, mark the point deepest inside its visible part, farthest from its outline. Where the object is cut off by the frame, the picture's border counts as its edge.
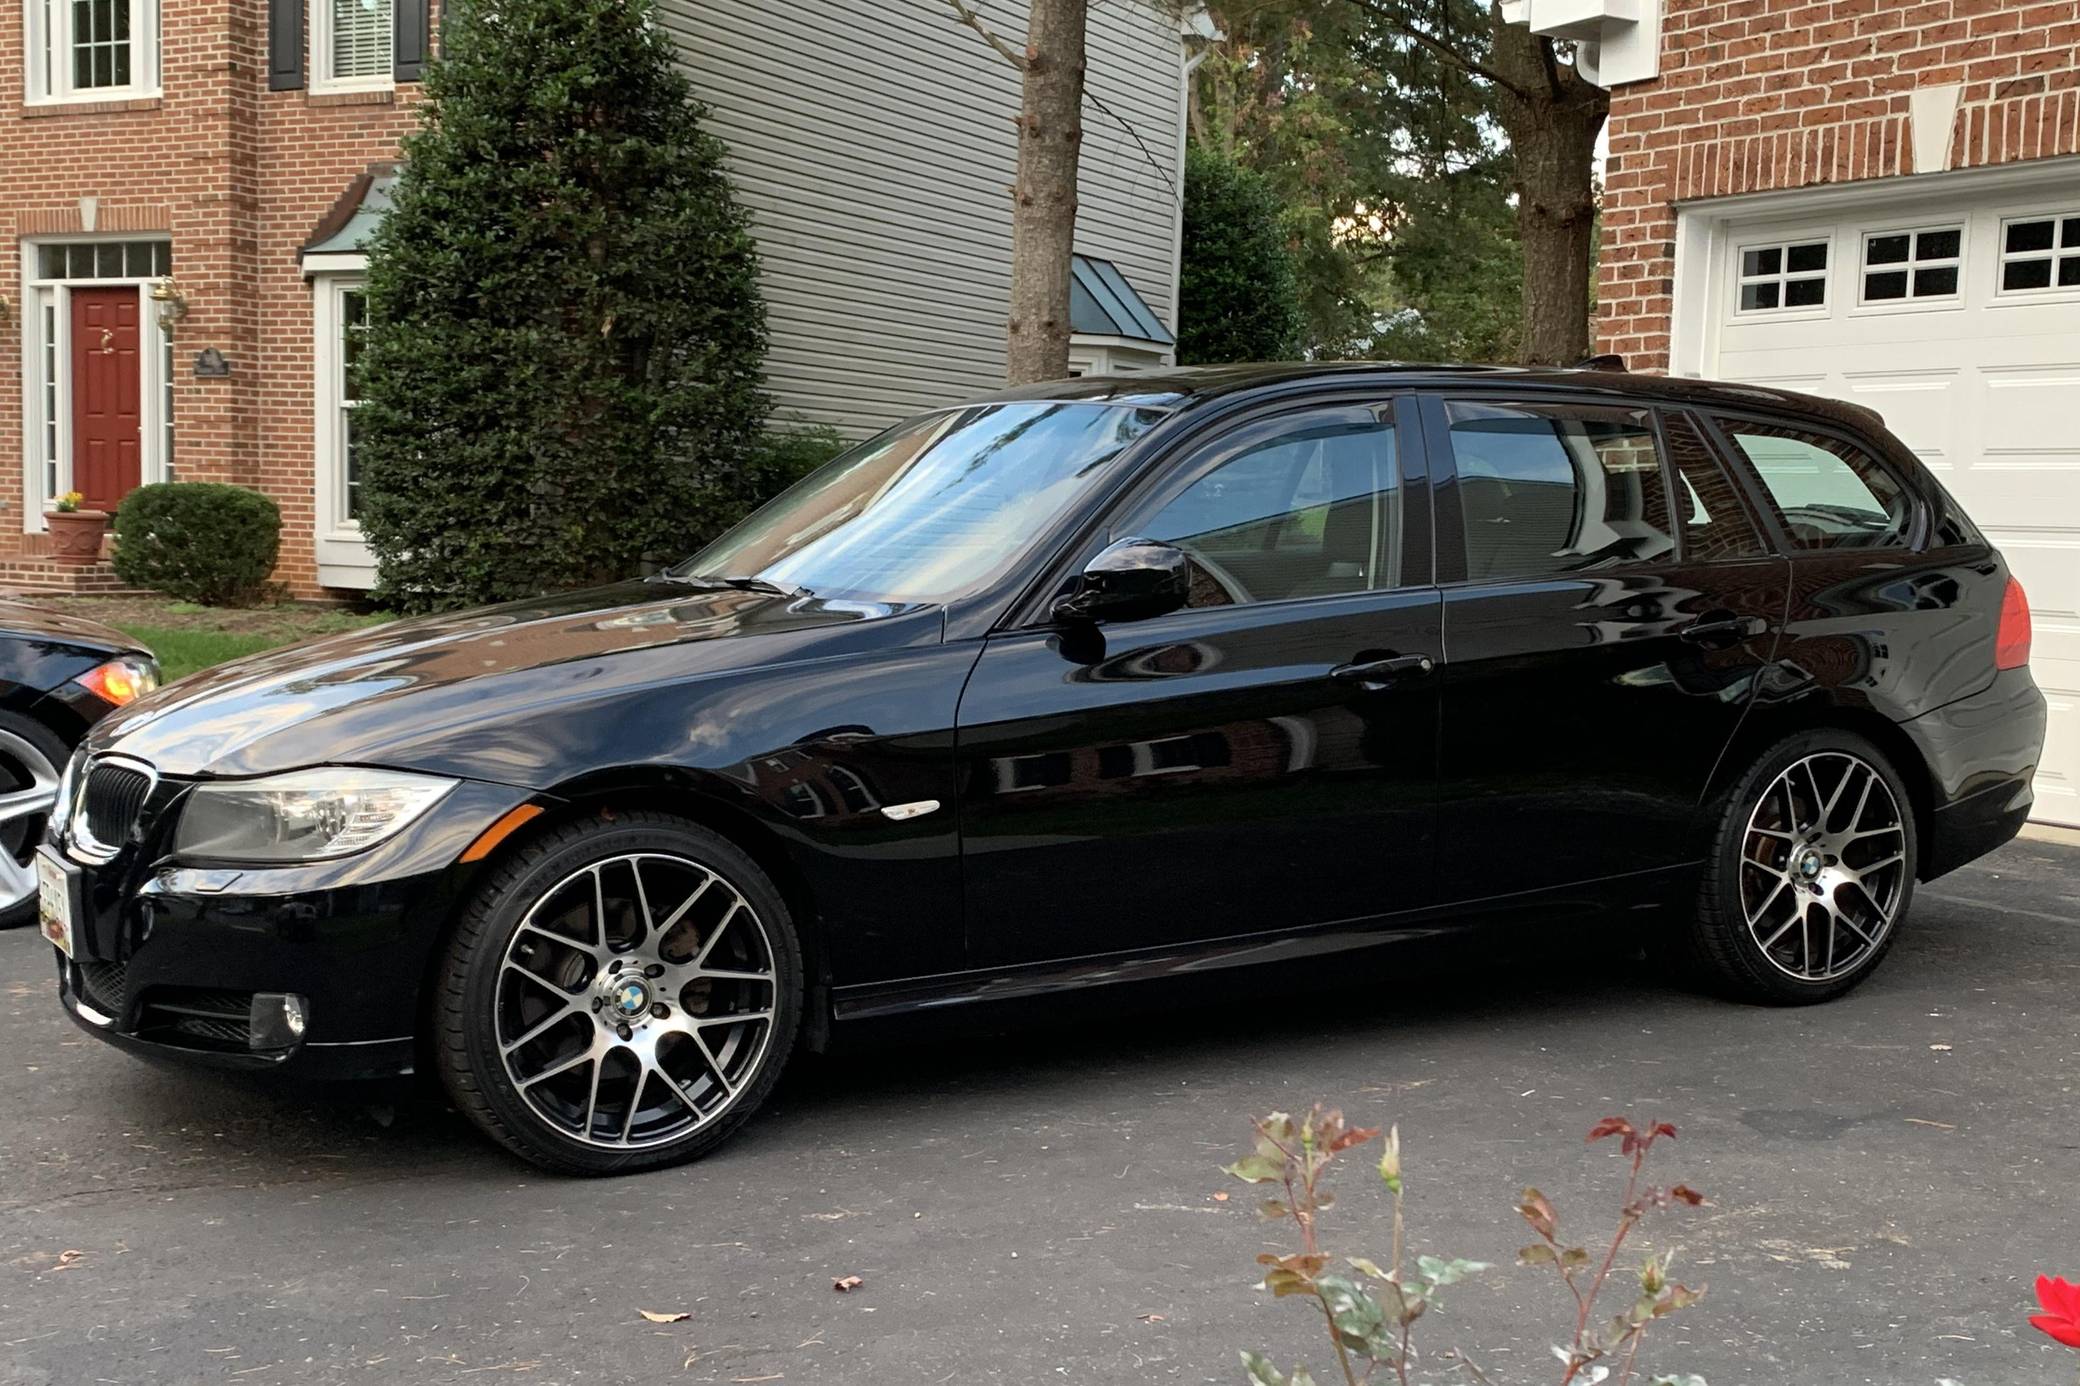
(107, 426)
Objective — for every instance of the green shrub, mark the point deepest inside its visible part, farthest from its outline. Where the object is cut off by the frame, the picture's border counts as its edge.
(562, 372)
(1238, 290)
(200, 541)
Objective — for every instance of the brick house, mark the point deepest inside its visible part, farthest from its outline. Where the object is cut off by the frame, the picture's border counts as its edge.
(217, 164)
(1876, 200)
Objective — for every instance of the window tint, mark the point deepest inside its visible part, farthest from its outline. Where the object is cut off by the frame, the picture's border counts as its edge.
(1716, 521)
(1831, 495)
(1305, 506)
(1556, 488)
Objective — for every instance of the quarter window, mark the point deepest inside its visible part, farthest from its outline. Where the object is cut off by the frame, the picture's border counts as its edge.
(1901, 265)
(1790, 274)
(2039, 253)
(1831, 495)
(1306, 506)
(1556, 488)
(1716, 522)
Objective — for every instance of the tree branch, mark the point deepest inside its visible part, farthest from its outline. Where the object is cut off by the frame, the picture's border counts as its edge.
(1134, 135)
(1439, 47)
(975, 21)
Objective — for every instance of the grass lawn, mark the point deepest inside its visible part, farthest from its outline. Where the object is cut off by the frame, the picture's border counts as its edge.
(187, 637)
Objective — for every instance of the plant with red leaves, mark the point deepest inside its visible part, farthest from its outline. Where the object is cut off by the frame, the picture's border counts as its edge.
(1370, 1312)
(2061, 1303)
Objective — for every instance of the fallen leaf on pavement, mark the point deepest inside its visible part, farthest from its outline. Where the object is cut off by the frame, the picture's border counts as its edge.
(1151, 1318)
(848, 1282)
(1220, 1198)
(68, 1259)
(655, 1317)
(1940, 1048)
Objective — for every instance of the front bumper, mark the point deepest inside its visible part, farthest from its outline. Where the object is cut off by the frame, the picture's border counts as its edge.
(169, 956)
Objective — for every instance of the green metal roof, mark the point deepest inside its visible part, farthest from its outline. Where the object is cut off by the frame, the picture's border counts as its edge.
(1103, 304)
(350, 236)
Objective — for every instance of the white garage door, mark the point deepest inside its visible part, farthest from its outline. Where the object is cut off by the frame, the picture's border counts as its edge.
(1958, 319)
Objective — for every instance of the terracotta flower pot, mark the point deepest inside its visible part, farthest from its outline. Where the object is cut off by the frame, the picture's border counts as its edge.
(76, 536)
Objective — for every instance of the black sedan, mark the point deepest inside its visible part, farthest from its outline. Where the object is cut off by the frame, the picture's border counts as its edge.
(1063, 687)
(58, 676)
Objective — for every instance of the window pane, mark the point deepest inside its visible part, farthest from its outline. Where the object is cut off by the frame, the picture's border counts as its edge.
(1885, 250)
(1935, 283)
(1758, 295)
(1937, 245)
(360, 38)
(162, 257)
(2025, 236)
(1308, 508)
(2069, 271)
(353, 312)
(1804, 293)
(1891, 284)
(1811, 256)
(52, 258)
(1557, 488)
(108, 261)
(1831, 495)
(2026, 274)
(1769, 261)
(1716, 522)
(2071, 238)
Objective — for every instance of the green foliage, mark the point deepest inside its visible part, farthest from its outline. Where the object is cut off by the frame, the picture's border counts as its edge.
(561, 383)
(1370, 1315)
(780, 458)
(200, 541)
(1238, 293)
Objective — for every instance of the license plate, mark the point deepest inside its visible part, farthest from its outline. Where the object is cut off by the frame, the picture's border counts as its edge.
(54, 880)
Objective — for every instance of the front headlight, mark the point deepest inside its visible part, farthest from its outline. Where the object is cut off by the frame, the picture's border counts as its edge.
(306, 815)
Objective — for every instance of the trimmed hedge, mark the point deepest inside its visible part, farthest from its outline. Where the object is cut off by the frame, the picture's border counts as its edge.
(200, 541)
(1238, 290)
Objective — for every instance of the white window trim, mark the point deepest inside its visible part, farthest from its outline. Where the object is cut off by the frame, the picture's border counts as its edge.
(47, 56)
(1909, 301)
(2058, 253)
(343, 556)
(1785, 277)
(322, 82)
(152, 363)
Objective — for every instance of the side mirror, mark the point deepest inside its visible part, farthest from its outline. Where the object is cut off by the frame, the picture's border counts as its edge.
(1131, 580)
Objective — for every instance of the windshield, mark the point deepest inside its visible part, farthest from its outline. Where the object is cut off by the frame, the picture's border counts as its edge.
(933, 508)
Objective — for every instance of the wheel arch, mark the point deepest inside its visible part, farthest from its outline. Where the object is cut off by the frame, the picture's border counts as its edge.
(1764, 728)
(676, 792)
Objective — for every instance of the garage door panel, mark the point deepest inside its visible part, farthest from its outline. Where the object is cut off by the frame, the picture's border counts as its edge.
(1987, 393)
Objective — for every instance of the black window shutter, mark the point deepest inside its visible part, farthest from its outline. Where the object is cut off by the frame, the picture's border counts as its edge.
(410, 40)
(284, 45)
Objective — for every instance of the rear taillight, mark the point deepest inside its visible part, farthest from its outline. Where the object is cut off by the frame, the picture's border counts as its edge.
(2011, 643)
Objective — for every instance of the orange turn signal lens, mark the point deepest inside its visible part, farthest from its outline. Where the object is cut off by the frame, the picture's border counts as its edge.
(511, 822)
(121, 681)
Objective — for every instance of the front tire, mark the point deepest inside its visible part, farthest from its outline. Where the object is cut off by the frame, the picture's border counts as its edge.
(31, 758)
(620, 995)
(1810, 874)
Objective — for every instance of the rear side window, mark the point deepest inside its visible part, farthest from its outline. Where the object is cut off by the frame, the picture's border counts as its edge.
(1829, 493)
(1716, 523)
(1556, 488)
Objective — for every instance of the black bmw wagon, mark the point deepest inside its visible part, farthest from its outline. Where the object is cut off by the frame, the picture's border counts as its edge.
(1062, 687)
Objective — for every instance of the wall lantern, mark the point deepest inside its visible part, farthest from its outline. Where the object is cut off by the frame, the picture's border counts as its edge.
(173, 304)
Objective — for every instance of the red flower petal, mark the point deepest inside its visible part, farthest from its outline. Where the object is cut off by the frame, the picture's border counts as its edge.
(2064, 1330)
(2059, 1297)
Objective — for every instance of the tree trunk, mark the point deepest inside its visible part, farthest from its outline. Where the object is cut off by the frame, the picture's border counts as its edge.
(1552, 117)
(1043, 218)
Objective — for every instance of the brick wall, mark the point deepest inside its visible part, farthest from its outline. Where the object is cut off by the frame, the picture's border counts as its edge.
(1757, 95)
(238, 175)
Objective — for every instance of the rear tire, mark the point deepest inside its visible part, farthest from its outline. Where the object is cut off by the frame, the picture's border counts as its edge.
(618, 996)
(1810, 873)
(32, 756)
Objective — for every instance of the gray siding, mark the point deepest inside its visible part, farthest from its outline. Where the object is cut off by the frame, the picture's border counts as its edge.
(873, 142)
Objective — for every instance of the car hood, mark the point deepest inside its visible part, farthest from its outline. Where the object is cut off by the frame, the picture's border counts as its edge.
(35, 623)
(387, 695)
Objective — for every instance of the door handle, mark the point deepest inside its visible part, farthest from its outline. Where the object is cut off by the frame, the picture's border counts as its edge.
(1377, 673)
(1723, 629)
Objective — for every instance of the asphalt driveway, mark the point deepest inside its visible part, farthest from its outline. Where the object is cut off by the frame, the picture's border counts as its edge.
(1029, 1196)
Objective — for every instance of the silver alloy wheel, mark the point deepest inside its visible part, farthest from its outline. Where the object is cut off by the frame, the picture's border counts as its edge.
(24, 810)
(1823, 866)
(636, 1001)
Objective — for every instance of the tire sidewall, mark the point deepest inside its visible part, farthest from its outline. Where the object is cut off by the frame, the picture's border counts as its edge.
(468, 1048)
(54, 748)
(1765, 975)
